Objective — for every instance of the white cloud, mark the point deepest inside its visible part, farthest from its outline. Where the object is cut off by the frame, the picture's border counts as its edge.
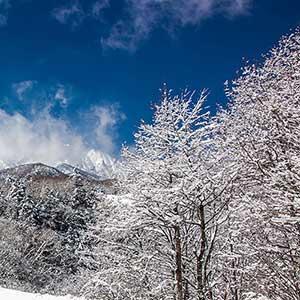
(74, 14)
(61, 95)
(52, 140)
(139, 18)
(69, 14)
(128, 34)
(44, 139)
(106, 120)
(37, 93)
(143, 16)
(20, 88)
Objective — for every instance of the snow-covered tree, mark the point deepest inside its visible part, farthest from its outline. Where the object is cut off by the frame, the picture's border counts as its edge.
(262, 132)
(177, 188)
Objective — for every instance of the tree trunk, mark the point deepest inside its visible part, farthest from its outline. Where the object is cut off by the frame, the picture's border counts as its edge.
(200, 258)
(178, 259)
(234, 277)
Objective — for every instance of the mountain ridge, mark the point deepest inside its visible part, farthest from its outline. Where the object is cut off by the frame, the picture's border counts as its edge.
(95, 164)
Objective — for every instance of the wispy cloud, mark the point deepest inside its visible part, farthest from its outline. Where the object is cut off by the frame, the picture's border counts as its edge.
(74, 13)
(20, 88)
(144, 16)
(71, 13)
(33, 92)
(3, 20)
(139, 18)
(63, 94)
(239, 7)
(4, 7)
(107, 118)
(98, 7)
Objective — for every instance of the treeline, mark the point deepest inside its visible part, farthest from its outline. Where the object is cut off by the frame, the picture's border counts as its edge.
(213, 202)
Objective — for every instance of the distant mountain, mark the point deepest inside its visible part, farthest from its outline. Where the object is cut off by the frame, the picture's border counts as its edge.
(98, 163)
(71, 170)
(95, 164)
(39, 177)
(30, 170)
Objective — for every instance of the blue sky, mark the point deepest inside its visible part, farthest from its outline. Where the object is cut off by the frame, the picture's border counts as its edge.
(95, 66)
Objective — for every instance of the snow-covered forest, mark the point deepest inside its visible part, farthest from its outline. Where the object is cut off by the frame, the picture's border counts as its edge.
(202, 207)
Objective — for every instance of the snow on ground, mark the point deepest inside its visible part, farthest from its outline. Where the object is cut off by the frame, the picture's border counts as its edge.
(7, 294)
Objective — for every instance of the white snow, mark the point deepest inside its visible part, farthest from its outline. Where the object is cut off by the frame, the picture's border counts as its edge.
(122, 199)
(98, 162)
(7, 294)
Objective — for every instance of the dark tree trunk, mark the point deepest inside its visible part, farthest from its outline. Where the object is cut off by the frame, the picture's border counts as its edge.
(200, 257)
(178, 259)
(235, 293)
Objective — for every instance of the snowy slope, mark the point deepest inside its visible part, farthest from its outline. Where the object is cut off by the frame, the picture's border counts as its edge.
(7, 294)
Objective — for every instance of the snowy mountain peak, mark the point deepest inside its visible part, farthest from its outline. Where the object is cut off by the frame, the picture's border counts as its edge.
(98, 163)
